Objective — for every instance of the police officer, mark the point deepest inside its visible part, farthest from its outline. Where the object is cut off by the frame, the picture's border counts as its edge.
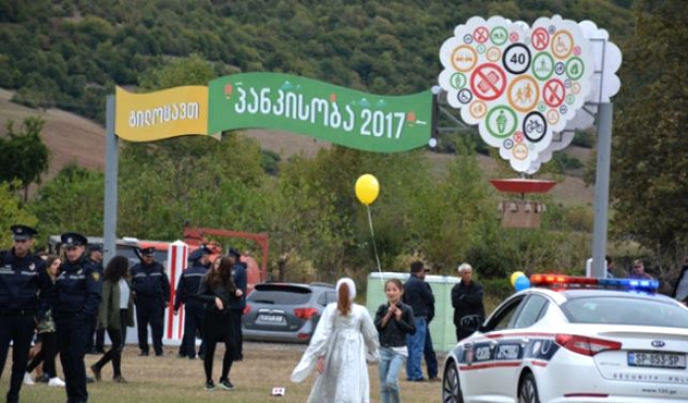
(239, 304)
(25, 289)
(75, 301)
(151, 291)
(187, 294)
(95, 255)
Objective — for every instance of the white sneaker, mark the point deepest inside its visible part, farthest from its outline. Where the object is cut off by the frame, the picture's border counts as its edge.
(28, 379)
(57, 382)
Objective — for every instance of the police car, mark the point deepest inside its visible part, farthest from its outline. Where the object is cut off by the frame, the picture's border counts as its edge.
(575, 339)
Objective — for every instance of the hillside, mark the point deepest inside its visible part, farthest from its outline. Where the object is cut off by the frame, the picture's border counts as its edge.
(72, 138)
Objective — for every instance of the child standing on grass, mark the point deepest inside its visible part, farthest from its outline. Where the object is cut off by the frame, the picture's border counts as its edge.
(393, 320)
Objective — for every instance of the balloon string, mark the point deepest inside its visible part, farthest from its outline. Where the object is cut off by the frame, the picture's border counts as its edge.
(372, 235)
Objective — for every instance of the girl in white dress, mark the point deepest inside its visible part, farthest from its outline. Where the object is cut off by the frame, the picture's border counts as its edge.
(344, 338)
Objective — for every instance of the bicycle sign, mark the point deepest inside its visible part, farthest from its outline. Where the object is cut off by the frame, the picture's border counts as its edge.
(516, 82)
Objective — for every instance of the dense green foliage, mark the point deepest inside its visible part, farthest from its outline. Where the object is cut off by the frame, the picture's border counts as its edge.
(70, 53)
(23, 155)
(650, 182)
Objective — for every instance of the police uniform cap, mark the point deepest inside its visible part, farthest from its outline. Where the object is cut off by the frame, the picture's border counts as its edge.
(95, 248)
(233, 252)
(150, 251)
(73, 239)
(198, 253)
(22, 232)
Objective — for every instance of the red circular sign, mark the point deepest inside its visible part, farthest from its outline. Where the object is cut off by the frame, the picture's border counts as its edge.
(481, 34)
(554, 93)
(540, 39)
(488, 81)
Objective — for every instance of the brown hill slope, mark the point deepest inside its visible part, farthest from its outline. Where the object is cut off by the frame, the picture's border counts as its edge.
(72, 138)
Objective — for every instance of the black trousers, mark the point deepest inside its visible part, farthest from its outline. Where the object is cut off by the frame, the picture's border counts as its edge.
(193, 322)
(238, 336)
(218, 328)
(72, 332)
(100, 340)
(99, 335)
(18, 330)
(118, 338)
(149, 312)
(46, 355)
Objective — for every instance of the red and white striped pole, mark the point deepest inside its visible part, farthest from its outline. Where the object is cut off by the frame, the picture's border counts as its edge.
(177, 255)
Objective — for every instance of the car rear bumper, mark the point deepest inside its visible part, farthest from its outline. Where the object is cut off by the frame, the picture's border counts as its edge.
(615, 399)
(275, 336)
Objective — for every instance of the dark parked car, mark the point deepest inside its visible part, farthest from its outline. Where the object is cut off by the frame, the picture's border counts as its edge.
(285, 312)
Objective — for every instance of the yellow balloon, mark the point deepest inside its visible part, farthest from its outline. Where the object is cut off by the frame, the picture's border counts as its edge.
(515, 275)
(367, 189)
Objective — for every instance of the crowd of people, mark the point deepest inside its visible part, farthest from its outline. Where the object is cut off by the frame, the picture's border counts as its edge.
(65, 305)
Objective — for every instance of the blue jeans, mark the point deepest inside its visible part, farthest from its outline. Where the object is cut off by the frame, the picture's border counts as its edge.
(390, 366)
(416, 345)
(430, 356)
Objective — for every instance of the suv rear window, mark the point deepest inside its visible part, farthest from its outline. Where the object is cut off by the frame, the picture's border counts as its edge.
(625, 311)
(280, 295)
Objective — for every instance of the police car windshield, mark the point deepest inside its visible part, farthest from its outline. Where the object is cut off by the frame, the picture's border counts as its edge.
(625, 311)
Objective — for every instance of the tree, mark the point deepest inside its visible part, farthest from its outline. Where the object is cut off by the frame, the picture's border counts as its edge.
(649, 168)
(24, 157)
(11, 212)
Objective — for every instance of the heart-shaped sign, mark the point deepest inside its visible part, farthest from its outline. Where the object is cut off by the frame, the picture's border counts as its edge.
(519, 84)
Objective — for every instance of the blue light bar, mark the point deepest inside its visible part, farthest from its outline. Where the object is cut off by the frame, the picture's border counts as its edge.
(630, 284)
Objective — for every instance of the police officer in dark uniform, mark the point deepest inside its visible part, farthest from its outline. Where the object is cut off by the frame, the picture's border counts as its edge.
(25, 290)
(151, 291)
(239, 304)
(187, 294)
(95, 255)
(75, 301)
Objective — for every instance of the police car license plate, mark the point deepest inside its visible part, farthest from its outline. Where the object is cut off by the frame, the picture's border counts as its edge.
(656, 360)
(271, 319)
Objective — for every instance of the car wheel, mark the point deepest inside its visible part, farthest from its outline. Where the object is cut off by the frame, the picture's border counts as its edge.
(527, 390)
(451, 389)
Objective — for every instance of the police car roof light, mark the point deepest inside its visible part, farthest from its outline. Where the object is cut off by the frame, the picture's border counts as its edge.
(559, 281)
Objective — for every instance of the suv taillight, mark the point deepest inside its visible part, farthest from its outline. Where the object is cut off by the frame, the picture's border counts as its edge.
(586, 345)
(247, 309)
(305, 313)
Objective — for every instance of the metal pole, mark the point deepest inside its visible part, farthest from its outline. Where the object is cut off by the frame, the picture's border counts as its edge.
(604, 153)
(111, 168)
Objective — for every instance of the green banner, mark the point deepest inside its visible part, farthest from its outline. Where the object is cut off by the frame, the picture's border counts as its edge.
(339, 115)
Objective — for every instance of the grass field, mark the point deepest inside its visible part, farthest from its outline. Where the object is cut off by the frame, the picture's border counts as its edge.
(174, 380)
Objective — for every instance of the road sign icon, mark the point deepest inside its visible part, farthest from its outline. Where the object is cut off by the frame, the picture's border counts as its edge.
(516, 58)
(540, 39)
(575, 88)
(501, 121)
(478, 109)
(562, 44)
(465, 96)
(488, 81)
(468, 39)
(514, 37)
(524, 93)
(499, 35)
(575, 68)
(493, 54)
(481, 34)
(520, 152)
(559, 68)
(577, 50)
(458, 80)
(464, 58)
(563, 109)
(543, 66)
(508, 144)
(554, 93)
(481, 48)
(519, 137)
(570, 99)
(552, 117)
(534, 127)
